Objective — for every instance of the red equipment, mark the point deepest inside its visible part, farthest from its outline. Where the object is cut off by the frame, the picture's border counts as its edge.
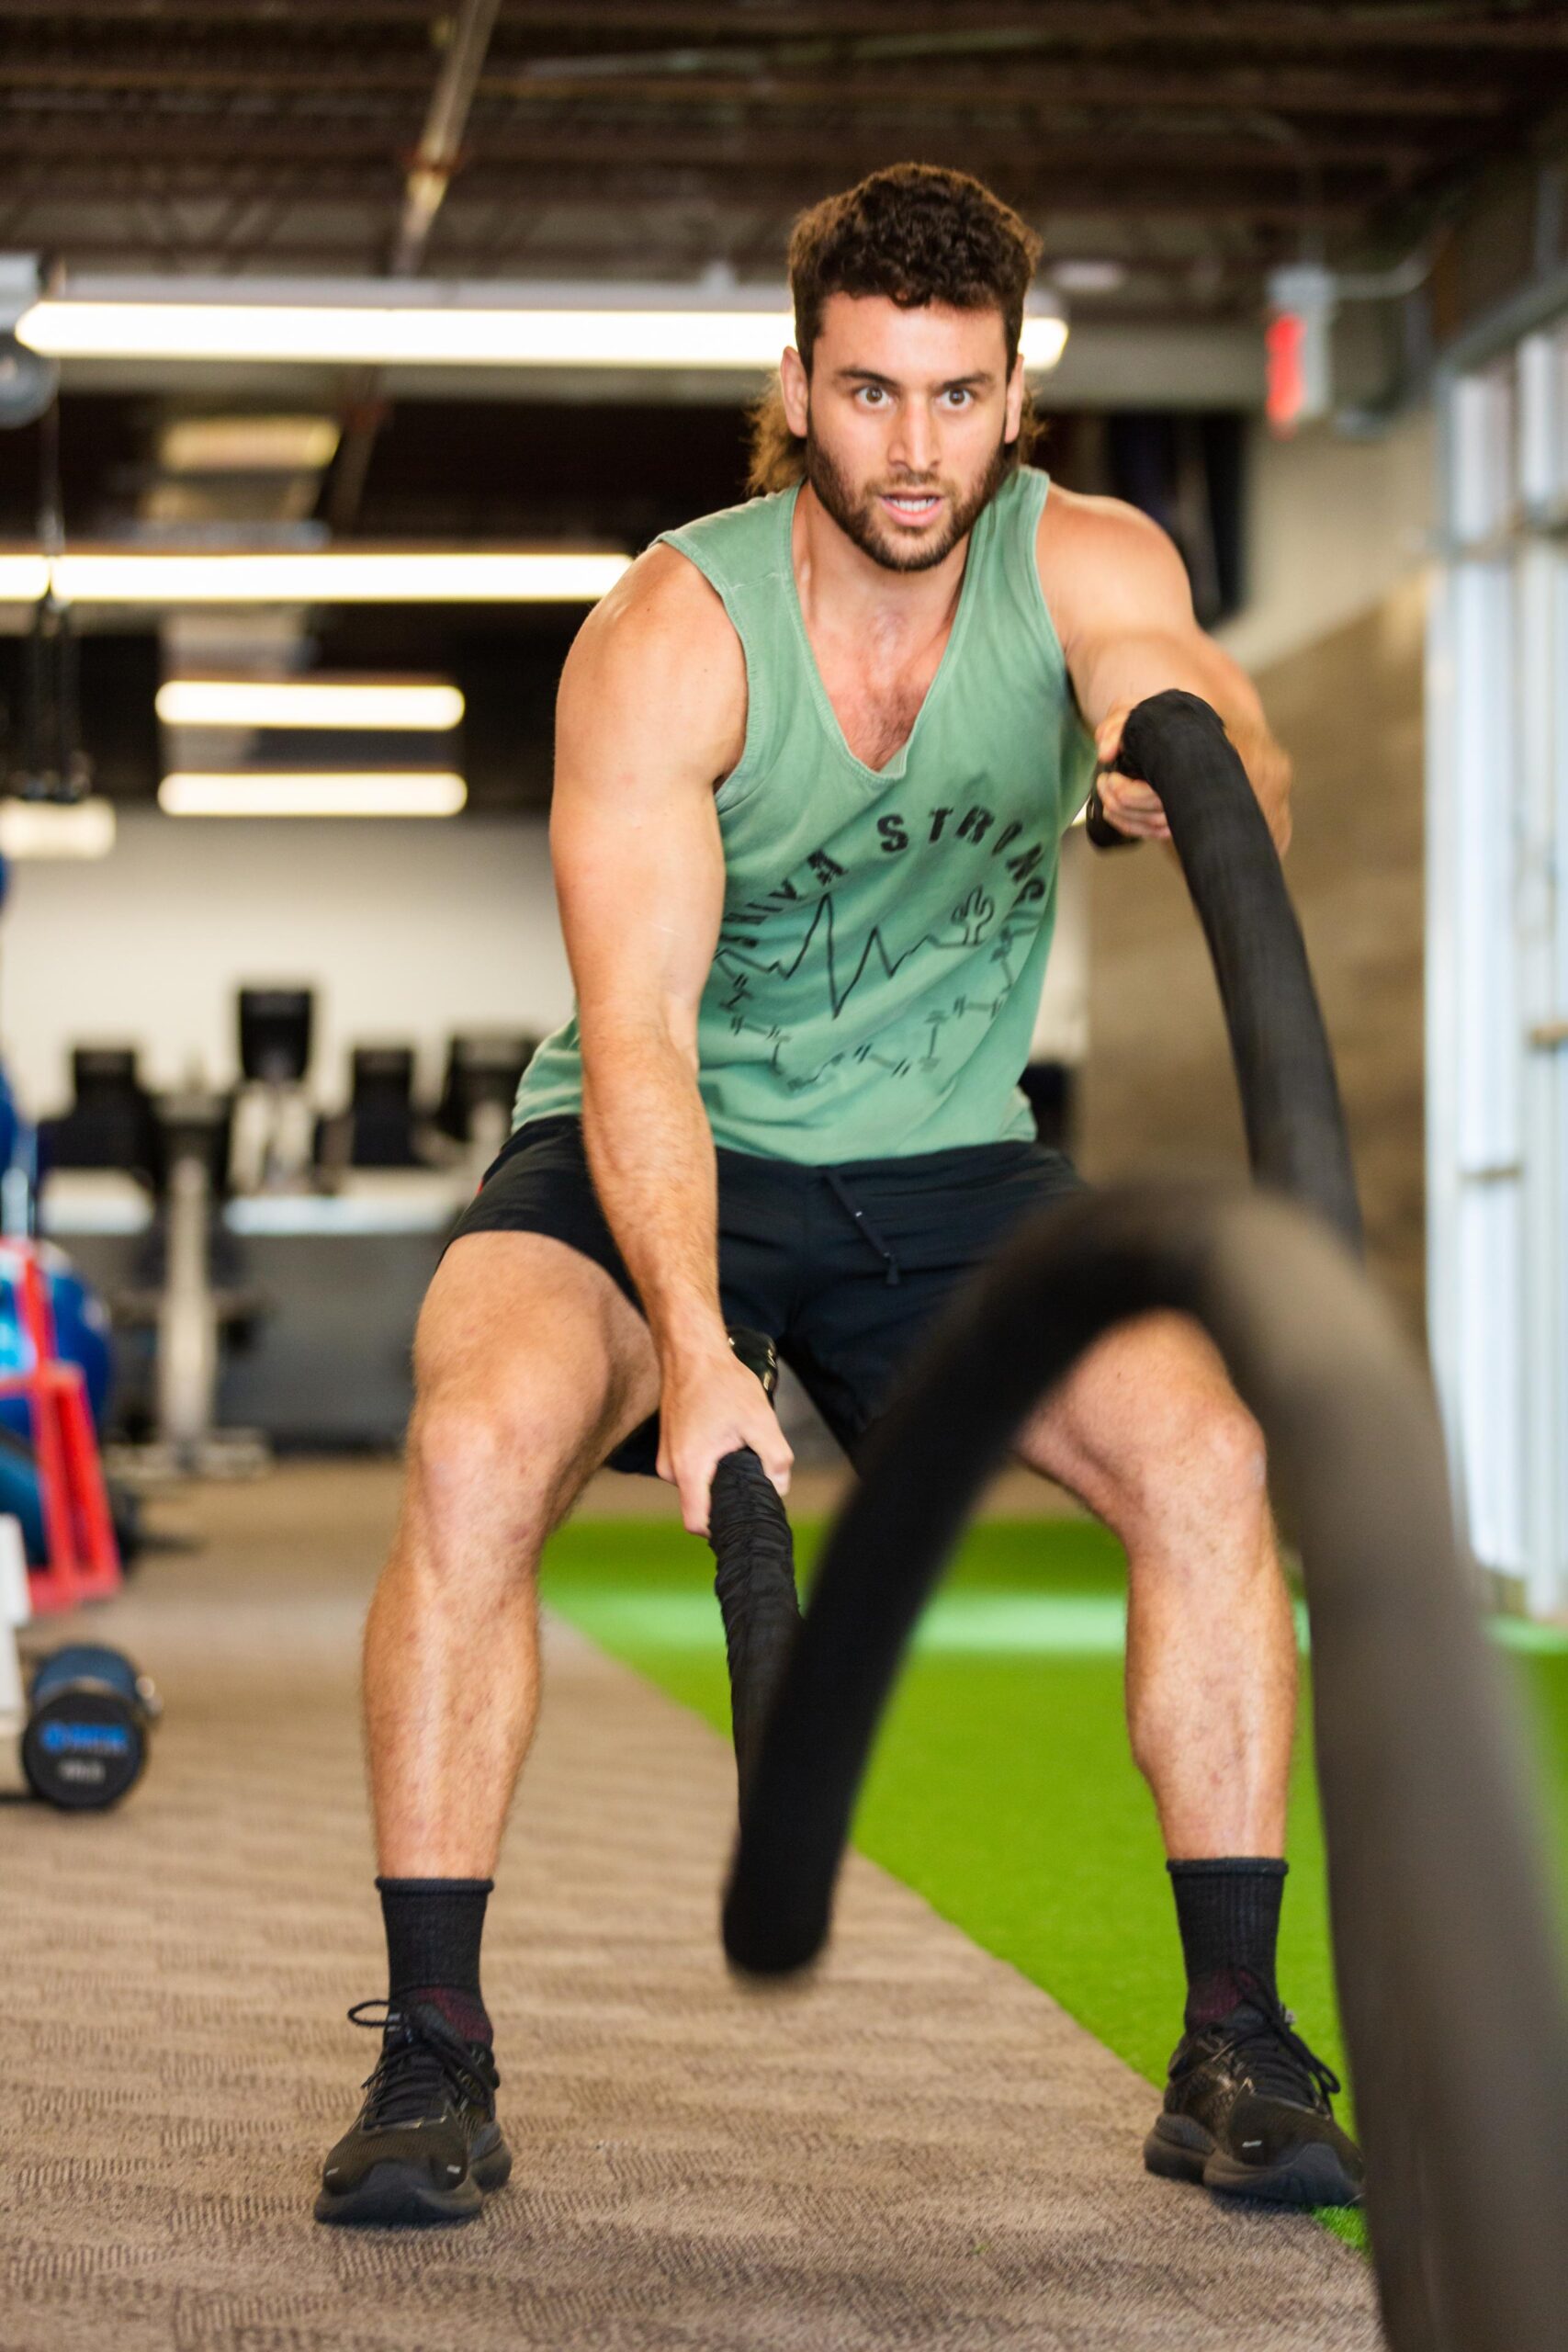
(84, 1557)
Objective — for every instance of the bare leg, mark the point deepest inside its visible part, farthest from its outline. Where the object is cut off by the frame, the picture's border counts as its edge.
(1150, 1433)
(530, 1366)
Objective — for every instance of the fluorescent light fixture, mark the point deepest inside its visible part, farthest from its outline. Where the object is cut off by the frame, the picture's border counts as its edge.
(317, 576)
(446, 324)
(23, 577)
(1042, 341)
(247, 445)
(363, 335)
(288, 793)
(56, 829)
(1089, 277)
(415, 704)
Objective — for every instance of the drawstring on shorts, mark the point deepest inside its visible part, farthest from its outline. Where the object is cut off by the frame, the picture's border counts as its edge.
(846, 1200)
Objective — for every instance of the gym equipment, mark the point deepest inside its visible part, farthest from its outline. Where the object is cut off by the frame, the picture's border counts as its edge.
(21, 1499)
(377, 1129)
(1450, 1976)
(81, 1335)
(190, 1309)
(89, 1715)
(754, 1579)
(111, 1122)
(18, 1147)
(274, 1130)
(80, 1559)
(78, 1736)
(50, 761)
(483, 1071)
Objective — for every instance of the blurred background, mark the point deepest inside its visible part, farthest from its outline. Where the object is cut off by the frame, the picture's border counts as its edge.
(349, 350)
(481, 294)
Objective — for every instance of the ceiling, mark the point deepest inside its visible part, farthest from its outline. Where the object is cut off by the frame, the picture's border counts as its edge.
(1170, 152)
(1191, 142)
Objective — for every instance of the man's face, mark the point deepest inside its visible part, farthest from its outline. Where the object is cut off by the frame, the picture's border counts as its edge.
(904, 418)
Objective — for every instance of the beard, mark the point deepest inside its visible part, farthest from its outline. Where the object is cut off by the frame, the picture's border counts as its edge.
(858, 516)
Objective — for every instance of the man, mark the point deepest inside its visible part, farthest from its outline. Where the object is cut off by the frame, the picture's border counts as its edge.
(815, 756)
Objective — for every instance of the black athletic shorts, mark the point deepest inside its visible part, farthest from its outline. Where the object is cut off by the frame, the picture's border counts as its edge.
(843, 1268)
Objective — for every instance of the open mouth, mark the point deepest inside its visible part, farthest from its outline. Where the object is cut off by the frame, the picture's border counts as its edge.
(913, 506)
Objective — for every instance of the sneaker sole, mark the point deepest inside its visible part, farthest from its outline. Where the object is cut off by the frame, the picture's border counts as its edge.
(1311, 2174)
(403, 2195)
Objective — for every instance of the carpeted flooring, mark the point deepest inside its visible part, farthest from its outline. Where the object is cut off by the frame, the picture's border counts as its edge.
(922, 2151)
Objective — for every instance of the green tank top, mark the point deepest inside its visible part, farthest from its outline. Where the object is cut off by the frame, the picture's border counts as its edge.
(885, 933)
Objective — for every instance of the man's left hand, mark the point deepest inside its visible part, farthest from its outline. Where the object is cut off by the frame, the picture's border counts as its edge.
(1134, 807)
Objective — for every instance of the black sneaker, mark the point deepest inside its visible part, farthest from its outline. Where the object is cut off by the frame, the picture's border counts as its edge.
(1247, 2112)
(425, 2143)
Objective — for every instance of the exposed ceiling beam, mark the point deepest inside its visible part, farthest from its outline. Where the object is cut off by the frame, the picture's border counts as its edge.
(441, 140)
(347, 73)
(425, 190)
(1080, 133)
(1226, 200)
(832, 155)
(1320, 24)
(553, 258)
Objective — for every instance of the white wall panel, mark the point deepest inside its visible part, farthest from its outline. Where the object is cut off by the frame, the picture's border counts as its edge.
(406, 931)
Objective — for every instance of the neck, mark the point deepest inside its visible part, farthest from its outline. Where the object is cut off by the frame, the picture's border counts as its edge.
(843, 586)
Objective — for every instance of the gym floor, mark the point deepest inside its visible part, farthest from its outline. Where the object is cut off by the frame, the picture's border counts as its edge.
(933, 2147)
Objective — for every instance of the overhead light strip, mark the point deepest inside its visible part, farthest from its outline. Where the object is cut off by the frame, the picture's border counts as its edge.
(435, 333)
(393, 704)
(321, 576)
(285, 793)
(31, 828)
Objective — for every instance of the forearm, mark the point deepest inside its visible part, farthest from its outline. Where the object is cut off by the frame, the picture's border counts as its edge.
(651, 1156)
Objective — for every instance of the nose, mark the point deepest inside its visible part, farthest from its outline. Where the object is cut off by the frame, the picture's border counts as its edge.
(913, 444)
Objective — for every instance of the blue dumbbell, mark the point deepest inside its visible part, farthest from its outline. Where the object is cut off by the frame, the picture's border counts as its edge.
(89, 1714)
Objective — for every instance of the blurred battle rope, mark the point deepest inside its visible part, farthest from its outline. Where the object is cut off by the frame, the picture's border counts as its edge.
(1448, 1972)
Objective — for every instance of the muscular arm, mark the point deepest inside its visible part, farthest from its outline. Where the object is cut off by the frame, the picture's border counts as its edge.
(1118, 593)
(652, 713)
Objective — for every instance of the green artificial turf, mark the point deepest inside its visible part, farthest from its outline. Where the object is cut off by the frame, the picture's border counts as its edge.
(1002, 1789)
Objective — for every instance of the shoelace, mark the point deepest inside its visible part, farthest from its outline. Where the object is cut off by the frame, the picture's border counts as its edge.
(423, 2058)
(1276, 2057)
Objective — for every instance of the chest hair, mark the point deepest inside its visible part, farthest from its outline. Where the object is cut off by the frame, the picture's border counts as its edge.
(877, 713)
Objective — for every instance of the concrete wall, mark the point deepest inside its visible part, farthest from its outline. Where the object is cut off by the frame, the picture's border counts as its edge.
(1333, 526)
(1158, 1091)
(1338, 534)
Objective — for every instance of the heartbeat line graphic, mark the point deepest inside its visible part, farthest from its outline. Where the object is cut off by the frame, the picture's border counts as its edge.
(972, 918)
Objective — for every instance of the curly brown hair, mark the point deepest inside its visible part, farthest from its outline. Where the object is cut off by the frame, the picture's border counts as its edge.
(917, 233)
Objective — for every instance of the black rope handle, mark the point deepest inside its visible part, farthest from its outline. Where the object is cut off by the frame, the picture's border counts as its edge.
(754, 1552)
(1098, 825)
(1290, 1094)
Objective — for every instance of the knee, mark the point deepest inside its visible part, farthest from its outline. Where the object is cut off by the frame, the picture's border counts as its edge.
(1201, 1458)
(478, 1463)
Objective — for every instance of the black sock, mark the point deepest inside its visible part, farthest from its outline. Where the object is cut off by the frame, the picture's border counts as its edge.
(1228, 1913)
(434, 1925)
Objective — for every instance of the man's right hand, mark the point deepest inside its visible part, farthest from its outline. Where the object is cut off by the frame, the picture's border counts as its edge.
(711, 1405)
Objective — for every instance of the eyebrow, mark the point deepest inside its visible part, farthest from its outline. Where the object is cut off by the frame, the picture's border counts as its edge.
(981, 376)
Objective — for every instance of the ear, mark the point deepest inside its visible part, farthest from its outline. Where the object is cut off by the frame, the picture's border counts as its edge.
(1014, 401)
(795, 386)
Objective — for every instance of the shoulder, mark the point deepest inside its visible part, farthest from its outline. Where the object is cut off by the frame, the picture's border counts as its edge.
(662, 648)
(1106, 565)
(660, 615)
(661, 596)
(1103, 537)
